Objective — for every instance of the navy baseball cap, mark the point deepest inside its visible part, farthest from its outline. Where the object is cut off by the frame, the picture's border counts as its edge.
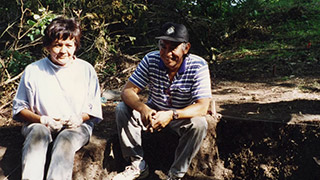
(174, 32)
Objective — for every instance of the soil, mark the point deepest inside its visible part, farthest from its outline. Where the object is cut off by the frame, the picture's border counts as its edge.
(268, 130)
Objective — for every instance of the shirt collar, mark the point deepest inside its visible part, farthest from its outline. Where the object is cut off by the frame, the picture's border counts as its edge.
(57, 66)
(181, 69)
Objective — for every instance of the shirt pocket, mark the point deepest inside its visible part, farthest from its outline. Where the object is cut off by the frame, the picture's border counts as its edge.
(182, 91)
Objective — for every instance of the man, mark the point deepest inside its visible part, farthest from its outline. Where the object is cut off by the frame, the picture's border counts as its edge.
(179, 96)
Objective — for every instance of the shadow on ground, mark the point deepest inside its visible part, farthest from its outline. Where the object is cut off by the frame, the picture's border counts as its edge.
(10, 148)
(277, 111)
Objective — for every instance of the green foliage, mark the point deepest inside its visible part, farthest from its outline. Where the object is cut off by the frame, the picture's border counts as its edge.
(39, 23)
(241, 30)
(17, 61)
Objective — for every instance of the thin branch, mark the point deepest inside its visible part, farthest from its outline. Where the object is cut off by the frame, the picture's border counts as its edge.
(11, 80)
(33, 43)
(87, 50)
(5, 69)
(12, 35)
(13, 171)
(9, 26)
(6, 104)
(111, 23)
(21, 18)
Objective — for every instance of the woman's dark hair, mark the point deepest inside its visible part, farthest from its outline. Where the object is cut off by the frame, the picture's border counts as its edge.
(62, 28)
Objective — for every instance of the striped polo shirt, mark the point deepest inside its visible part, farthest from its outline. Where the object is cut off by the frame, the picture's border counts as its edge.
(192, 82)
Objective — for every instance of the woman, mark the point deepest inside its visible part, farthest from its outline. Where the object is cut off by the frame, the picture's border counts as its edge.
(58, 95)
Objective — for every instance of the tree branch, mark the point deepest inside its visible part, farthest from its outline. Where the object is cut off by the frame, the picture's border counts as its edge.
(11, 80)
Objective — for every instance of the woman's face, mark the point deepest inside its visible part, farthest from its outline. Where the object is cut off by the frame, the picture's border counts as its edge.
(62, 51)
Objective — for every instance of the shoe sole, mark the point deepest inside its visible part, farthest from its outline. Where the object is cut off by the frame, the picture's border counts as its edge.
(144, 174)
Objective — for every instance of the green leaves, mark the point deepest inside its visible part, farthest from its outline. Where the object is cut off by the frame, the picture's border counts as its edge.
(38, 24)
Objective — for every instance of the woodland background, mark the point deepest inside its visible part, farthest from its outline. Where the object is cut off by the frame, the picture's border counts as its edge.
(263, 56)
(278, 37)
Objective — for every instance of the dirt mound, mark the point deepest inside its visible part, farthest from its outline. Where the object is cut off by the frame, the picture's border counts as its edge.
(269, 130)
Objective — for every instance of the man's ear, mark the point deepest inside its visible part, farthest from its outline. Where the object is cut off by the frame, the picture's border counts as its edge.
(187, 47)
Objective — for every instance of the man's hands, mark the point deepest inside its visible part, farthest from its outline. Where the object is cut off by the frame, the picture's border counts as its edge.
(146, 117)
(153, 120)
(160, 120)
(52, 124)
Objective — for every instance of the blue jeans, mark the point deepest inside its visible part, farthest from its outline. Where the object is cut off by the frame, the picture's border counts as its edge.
(37, 139)
(191, 132)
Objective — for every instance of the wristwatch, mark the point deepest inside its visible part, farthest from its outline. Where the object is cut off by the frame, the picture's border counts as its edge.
(175, 114)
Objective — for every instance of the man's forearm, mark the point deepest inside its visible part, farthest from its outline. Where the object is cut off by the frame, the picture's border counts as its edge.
(133, 100)
(200, 108)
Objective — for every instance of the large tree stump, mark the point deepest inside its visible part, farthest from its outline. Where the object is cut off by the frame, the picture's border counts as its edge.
(102, 159)
(207, 164)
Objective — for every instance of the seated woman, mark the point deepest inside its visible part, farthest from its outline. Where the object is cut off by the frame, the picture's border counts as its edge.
(58, 100)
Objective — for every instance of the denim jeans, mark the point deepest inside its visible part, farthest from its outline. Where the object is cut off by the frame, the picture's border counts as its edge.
(191, 134)
(35, 147)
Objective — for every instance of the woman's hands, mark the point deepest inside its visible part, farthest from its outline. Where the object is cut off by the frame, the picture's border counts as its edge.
(52, 124)
(56, 124)
(73, 122)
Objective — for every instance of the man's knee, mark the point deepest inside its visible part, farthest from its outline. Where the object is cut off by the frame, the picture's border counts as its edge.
(121, 107)
(122, 112)
(199, 123)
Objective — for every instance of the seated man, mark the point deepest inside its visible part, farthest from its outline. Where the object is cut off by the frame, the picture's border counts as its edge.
(179, 96)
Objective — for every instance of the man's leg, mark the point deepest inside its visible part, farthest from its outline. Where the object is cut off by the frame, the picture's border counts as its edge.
(64, 148)
(192, 132)
(35, 146)
(129, 127)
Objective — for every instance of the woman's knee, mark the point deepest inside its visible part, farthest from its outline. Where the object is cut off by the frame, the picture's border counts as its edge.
(36, 133)
(74, 139)
(39, 130)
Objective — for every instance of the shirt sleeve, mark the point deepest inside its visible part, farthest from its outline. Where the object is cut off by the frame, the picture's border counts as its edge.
(22, 98)
(93, 105)
(202, 87)
(140, 76)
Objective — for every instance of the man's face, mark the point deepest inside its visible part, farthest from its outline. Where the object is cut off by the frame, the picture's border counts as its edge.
(62, 51)
(172, 53)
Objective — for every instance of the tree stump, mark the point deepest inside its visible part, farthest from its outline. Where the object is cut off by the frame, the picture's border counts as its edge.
(102, 158)
(207, 164)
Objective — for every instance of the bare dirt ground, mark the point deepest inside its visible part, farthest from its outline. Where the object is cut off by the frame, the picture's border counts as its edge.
(269, 130)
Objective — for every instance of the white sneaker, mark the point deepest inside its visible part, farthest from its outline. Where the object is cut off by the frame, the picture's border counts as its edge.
(172, 177)
(131, 173)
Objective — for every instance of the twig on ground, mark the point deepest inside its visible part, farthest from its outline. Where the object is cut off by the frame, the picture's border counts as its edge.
(227, 117)
(7, 177)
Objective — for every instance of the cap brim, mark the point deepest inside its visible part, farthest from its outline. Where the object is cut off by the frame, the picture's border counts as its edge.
(168, 38)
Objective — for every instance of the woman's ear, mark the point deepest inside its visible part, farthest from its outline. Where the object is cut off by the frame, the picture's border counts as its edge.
(46, 51)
